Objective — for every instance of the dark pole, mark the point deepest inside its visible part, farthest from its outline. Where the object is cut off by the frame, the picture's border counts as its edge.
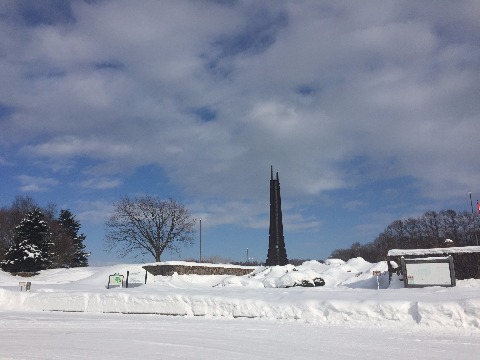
(473, 218)
(200, 240)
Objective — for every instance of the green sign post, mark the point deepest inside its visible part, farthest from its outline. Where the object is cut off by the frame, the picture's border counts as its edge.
(115, 279)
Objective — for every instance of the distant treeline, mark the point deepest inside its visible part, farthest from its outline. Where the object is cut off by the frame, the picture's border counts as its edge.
(432, 229)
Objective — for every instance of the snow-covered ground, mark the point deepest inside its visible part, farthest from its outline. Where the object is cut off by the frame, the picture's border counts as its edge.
(71, 313)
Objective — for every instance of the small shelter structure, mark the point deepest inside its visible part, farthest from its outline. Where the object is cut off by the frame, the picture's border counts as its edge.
(466, 260)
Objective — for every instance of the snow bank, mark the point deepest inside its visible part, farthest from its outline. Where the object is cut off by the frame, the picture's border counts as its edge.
(350, 295)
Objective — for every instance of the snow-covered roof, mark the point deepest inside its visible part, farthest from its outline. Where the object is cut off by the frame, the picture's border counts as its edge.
(449, 250)
(429, 258)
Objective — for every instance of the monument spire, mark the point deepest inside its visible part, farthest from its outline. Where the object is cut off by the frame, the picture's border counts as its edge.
(277, 255)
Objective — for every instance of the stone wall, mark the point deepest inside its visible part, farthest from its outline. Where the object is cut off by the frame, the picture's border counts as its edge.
(169, 270)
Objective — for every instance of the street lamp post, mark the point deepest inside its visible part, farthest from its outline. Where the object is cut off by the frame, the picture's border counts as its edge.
(473, 219)
(200, 240)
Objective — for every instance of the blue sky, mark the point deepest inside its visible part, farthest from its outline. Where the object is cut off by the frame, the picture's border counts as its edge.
(368, 110)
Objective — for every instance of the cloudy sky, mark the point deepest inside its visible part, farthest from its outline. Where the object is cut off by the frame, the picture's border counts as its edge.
(369, 111)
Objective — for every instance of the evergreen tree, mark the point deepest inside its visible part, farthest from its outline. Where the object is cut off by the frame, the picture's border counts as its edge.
(62, 245)
(23, 257)
(71, 227)
(31, 248)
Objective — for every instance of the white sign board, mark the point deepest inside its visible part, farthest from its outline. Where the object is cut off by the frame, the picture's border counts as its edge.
(428, 272)
(115, 279)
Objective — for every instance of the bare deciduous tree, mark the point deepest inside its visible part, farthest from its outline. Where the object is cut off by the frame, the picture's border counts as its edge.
(148, 225)
(426, 231)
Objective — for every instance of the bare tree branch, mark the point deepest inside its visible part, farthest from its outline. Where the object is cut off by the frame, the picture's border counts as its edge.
(148, 225)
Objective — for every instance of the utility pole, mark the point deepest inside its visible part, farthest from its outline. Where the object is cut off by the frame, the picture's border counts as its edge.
(200, 240)
(473, 219)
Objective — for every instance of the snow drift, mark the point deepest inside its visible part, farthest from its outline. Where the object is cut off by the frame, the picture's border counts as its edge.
(350, 295)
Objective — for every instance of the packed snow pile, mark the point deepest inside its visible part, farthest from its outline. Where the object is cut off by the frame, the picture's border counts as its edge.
(350, 295)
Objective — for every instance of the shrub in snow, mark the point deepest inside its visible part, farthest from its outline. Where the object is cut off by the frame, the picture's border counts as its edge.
(318, 281)
(305, 278)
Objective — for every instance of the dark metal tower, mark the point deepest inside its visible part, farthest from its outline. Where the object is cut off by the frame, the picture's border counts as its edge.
(277, 255)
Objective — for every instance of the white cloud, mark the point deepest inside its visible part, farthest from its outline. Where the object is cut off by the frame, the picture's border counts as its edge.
(305, 86)
(101, 183)
(215, 213)
(36, 184)
(95, 211)
(71, 146)
(250, 214)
